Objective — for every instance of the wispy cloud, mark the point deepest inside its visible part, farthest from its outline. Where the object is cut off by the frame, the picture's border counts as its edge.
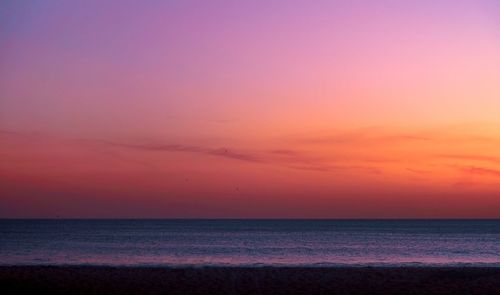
(284, 152)
(281, 157)
(305, 158)
(418, 171)
(479, 158)
(363, 136)
(219, 152)
(284, 157)
(4, 132)
(381, 135)
(480, 171)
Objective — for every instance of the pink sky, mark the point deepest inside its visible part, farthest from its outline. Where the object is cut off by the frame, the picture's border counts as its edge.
(308, 109)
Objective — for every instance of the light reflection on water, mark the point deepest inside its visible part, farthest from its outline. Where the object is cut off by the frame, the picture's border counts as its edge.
(250, 242)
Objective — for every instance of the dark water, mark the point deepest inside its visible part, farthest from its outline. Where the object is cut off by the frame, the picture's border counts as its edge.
(250, 242)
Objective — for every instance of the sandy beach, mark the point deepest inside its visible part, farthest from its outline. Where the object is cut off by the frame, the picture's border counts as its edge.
(236, 280)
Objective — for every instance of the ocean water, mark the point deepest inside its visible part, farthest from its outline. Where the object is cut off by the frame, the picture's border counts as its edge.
(251, 242)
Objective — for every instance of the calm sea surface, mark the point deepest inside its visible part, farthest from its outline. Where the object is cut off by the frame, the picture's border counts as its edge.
(250, 242)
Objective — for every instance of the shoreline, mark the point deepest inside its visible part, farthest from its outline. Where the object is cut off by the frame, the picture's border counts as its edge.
(257, 266)
(84, 279)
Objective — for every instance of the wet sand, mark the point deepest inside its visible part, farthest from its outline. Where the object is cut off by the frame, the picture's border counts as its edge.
(236, 280)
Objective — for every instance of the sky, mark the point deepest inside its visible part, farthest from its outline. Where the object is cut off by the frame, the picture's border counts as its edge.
(250, 109)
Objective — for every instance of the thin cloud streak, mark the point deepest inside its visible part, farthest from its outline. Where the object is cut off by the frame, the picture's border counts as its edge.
(418, 171)
(220, 152)
(288, 158)
(480, 171)
(490, 159)
(292, 161)
(363, 137)
(9, 133)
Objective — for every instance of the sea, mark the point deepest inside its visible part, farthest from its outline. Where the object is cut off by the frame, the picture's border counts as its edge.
(250, 243)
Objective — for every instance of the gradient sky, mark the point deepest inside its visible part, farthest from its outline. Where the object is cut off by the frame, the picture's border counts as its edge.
(307, 109)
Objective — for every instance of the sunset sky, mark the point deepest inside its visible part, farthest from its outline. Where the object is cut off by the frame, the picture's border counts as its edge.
(250, 109)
